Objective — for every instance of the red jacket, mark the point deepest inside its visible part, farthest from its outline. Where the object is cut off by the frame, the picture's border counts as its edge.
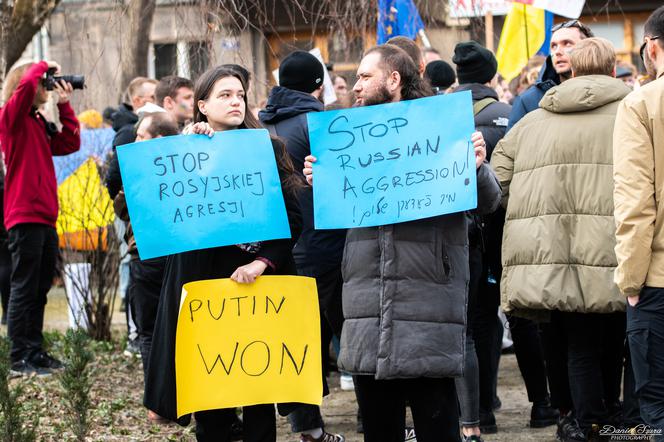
(31, 194)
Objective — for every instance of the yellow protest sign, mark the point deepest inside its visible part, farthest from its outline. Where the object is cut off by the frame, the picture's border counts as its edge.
(247, 344)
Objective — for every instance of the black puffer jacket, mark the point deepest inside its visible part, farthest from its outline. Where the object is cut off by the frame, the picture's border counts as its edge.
(317, 251)
(124, 120)
(493, 119)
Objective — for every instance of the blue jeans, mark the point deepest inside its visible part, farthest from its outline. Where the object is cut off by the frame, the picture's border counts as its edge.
(645, 333)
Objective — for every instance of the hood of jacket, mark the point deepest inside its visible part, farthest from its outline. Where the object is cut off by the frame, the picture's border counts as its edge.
(479, 91)
(286, 103)
(548, 77)
(583, 94)
(123, 116)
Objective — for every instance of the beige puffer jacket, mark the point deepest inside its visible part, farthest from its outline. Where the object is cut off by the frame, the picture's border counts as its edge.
(556, 170)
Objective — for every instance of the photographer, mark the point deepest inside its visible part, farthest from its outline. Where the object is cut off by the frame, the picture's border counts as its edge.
(31, 203)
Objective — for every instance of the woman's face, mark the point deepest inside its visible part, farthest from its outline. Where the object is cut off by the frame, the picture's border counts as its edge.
(225, 106)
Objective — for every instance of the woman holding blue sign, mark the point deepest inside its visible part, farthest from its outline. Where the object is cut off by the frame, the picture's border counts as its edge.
(221, 104)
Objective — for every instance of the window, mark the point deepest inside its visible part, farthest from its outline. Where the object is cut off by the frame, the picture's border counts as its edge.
(186, 59)
(345, 49)
(165, 60)
(613, 31)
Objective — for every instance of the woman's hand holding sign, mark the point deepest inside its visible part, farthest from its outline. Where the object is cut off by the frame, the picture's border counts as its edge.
(201, 128)
(480, 148)
(249, 272)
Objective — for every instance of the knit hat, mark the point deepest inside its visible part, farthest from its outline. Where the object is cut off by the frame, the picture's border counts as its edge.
(440, 74)
(301, 71)
(475, 63)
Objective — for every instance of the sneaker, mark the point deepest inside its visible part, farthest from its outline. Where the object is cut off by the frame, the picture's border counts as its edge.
(472, 438)
(569, 430)
(488, 423)
(44, 360)
(326, 437)
(543, 415)
(25, 368)
(410, 435)
(346, 382)
(132, 350)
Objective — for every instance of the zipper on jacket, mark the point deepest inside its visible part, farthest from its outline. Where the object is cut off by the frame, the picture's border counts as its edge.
(381, 237)
(446, 262)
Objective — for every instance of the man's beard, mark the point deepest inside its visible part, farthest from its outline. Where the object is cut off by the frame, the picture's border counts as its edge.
(380, 96)
(650, 66)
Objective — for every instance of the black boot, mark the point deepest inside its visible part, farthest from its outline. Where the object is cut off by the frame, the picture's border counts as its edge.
(542, 415)
(488, 423)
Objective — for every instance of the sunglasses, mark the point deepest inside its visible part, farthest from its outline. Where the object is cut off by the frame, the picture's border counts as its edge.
(642, 50)
(585, 30)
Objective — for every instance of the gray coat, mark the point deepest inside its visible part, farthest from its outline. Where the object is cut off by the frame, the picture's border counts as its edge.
(405, 294)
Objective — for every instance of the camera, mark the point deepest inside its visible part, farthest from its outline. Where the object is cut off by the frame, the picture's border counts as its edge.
(76, 81)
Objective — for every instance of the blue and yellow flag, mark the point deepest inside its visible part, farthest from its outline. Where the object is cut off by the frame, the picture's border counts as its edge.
(526, 32)
(397, 17)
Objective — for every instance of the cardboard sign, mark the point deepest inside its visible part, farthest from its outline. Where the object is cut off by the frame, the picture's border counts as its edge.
(248, 344)
(191, 192)
(393, 162)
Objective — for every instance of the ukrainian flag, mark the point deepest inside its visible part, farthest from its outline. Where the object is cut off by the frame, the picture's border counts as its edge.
(526, 32)
(86, 209)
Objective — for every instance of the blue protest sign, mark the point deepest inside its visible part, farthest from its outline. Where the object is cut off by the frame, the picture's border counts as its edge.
(393, 162)
(191, 192)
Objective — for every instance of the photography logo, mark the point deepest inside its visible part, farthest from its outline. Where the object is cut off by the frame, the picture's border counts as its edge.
(640, 432)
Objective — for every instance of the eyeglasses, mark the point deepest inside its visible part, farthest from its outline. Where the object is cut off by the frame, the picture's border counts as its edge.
(585, 30)
(642, 50)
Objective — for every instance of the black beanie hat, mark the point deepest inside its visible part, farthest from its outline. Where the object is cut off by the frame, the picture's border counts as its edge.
(440, 74)
(301, 71)
(475, 63)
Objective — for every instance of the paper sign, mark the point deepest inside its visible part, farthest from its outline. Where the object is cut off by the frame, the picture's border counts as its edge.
(248, 344)
(478, 8)
(191, 192)
(393, 162)
(566, 8)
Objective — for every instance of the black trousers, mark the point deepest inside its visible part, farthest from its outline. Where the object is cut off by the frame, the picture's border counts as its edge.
(5, 273)
(529, 357)
(145, 282)
(433, 403)
(329, 284)
(259, 424)
(487, 333)
(589, 364)
(34, 249)
(645, 333)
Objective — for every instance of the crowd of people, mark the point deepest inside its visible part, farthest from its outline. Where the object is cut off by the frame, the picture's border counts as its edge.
(566, 239)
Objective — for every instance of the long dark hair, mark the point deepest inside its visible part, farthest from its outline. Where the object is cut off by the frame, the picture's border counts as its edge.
(289, 179)
(393, 58)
